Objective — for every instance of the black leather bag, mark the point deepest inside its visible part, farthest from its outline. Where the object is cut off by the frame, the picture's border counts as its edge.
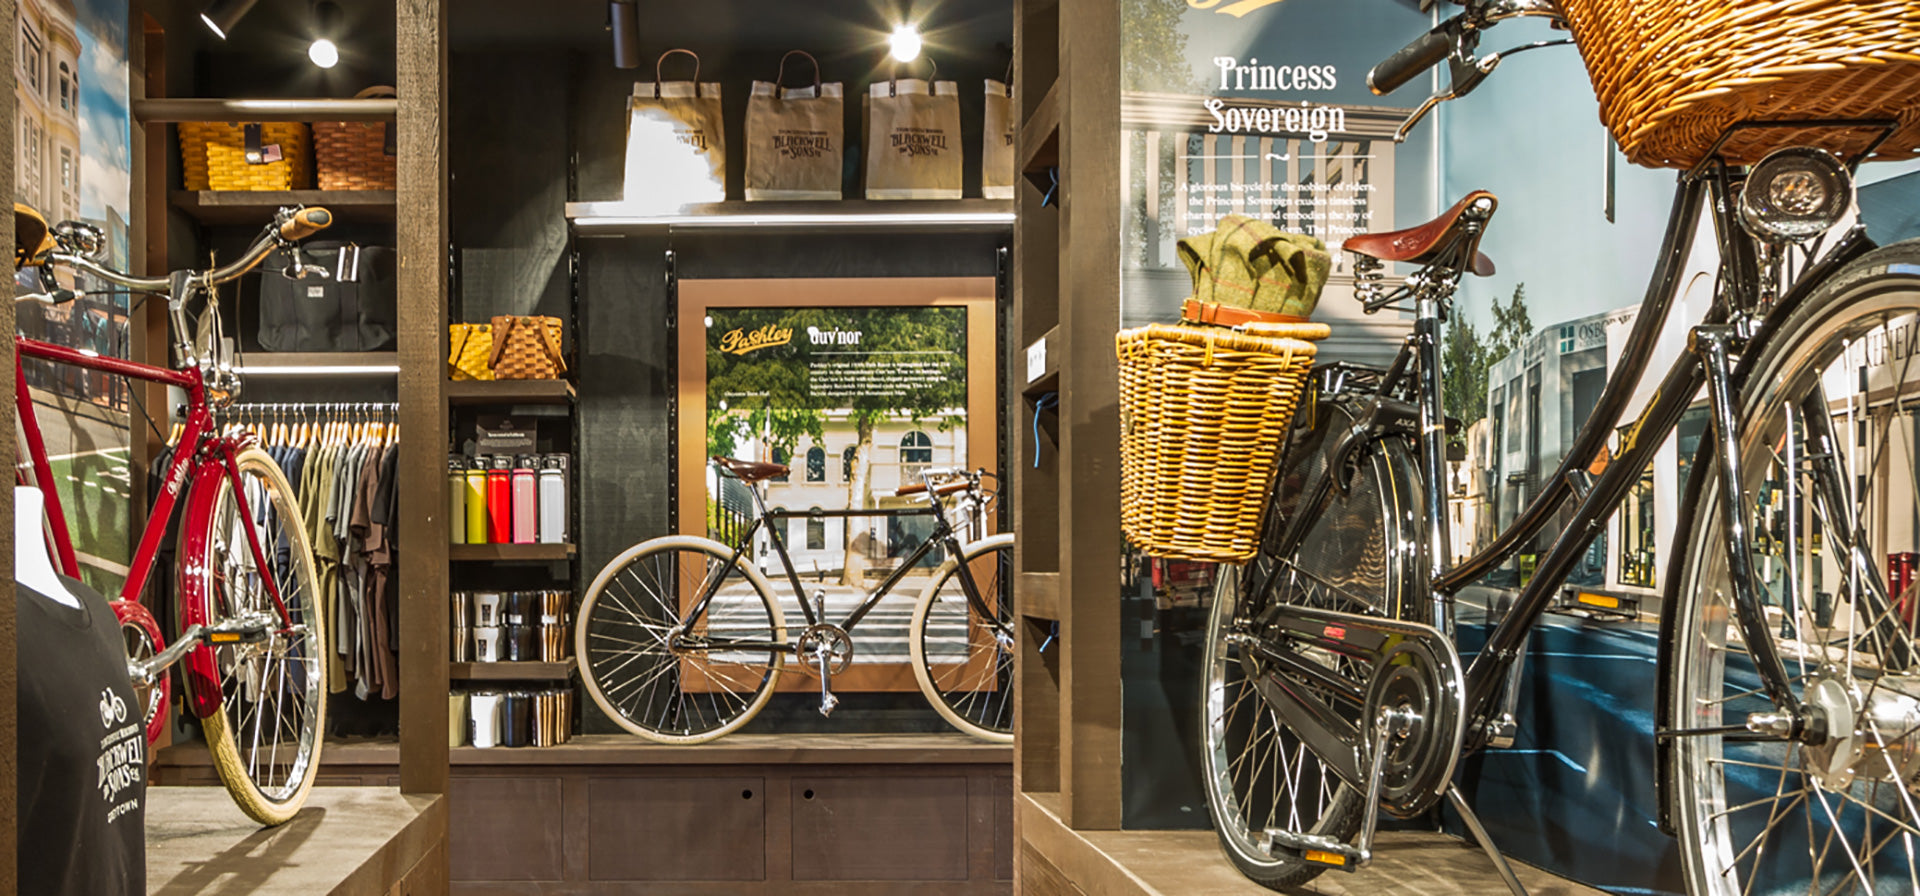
(351, 309)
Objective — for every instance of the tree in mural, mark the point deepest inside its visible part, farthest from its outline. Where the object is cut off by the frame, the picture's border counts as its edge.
(769, 391)
(1467, 357)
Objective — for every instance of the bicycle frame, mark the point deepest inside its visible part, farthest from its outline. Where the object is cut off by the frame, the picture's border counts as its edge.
(203, 458)
(1708, 364)
(942, 535)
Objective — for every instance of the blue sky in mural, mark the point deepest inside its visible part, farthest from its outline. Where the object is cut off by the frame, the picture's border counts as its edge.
(105, 129)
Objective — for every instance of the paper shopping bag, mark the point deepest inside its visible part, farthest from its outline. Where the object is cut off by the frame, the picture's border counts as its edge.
(913, 140)
(794, 137)
(996, 142)
(676, 144)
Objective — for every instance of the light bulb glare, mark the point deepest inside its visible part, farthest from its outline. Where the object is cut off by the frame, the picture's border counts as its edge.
(905, 43)
(324, 53)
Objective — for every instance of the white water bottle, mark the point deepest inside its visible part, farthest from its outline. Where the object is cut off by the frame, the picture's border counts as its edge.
(553, 499)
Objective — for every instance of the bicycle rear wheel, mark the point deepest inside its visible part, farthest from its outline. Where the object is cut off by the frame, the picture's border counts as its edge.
(963, 658)
(265, 734)
(1359, 555)
(1834, 813)
(667, 677)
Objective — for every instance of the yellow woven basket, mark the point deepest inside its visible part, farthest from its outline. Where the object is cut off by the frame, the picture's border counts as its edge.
(1671, 75)
(1203, 412)
(213, 156)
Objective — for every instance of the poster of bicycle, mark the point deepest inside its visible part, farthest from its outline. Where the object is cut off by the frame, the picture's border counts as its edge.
(74, 163)
(857, 386)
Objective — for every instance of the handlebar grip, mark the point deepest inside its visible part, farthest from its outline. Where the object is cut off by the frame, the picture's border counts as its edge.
(305, 223)
(1426, 51)
(906, 490)
(917, 489)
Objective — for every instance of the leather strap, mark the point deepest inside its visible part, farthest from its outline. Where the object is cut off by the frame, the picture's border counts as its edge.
(1198, 312)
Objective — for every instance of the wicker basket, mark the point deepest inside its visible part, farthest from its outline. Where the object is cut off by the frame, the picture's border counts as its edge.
(355, 155)
(213, 156)
(1203, 412)
(1671, 75)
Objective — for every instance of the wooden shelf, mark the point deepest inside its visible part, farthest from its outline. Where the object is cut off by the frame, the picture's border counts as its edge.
(871, 215)
(510, 392)
(148, 111)
(1038, 595)
(1048, 379)
(750, 749)
(511, 671)
(508, 552)
(383, 364)
(256, 207)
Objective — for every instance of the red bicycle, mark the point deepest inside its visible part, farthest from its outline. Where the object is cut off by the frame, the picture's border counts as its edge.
(251, 639)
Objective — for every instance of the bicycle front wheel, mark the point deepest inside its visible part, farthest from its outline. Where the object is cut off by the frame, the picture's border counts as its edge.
(1359, 555)
(962, 651)
(663, 672)
(265, 733)
(1829, 425)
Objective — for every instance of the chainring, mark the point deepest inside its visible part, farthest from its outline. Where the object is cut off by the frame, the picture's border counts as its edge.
(1427, 688)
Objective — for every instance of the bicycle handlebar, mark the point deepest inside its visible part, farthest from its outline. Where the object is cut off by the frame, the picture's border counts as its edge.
(1425, 52)
(289, 225)
(942, 490)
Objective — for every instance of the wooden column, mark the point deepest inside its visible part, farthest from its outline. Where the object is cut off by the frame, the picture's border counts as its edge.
(9, 724)
(422, 242)
(1089, 414)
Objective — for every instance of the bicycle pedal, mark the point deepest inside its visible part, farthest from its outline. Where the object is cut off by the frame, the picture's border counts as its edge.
(1325, 852)
(828, 703)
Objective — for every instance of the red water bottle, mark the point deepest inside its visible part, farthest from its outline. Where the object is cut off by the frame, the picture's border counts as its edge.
(500, 500)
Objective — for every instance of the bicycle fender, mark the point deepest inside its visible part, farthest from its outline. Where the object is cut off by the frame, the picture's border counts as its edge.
(199, 669)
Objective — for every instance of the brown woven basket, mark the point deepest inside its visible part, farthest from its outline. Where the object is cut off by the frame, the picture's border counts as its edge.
(1671, 75)
(213, 156)
(352, 155)
(1203, 412)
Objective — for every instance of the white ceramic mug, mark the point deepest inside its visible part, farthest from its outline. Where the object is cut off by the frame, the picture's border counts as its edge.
(483, 708)
(487, 606)
(487, 643)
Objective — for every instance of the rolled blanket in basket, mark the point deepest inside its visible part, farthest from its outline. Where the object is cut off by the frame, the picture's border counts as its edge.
(1252, 264)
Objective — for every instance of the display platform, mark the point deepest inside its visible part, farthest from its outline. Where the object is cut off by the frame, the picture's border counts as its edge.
(349, 841)
(1115, 863)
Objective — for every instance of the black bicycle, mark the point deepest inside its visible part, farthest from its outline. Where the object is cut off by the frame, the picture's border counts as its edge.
(682, 640)
(1789, 712)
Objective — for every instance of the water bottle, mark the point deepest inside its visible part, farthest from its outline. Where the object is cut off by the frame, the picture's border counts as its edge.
(553, 499)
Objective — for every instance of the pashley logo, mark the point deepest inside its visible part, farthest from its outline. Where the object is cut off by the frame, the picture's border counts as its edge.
(740, 342)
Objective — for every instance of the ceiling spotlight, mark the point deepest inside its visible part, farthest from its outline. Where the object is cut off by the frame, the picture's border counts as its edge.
(623, 19)
(222, 15)
(324, 53)
(326, 24)
(905, 43)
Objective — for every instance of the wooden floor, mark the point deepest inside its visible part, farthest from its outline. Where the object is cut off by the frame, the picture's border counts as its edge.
(1405, 863)
(346, 841)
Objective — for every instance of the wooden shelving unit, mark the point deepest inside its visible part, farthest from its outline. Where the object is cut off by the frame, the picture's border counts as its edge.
(509, 392)
(497, 553)
(511, 671)
(226, 207)
(842, 215)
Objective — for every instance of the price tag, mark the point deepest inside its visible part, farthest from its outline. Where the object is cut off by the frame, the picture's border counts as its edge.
(1036, 359)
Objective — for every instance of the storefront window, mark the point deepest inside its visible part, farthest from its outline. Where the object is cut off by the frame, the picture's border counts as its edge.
(1637, 560)
(816, 464)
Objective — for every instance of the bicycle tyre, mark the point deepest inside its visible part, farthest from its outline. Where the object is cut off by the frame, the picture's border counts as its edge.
(972, 694)
(268, 786)
(1255, 773)
(657, 706)
(141, 634)
(1829, 802)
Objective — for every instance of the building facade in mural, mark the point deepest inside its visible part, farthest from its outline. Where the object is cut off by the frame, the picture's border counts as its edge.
(47, 88)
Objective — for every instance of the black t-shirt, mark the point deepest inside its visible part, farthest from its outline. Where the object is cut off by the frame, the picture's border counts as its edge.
(82, 750)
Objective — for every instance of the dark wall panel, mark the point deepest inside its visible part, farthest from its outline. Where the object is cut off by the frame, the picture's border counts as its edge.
(657, 842)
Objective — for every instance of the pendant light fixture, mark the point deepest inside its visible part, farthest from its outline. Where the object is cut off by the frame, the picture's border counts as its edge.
(326, 25)
(623, 19)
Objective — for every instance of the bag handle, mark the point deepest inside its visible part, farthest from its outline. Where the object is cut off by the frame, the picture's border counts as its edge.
(658, 63)
(378, 91)
(500, 345)
(551, 339)
(1008, 79)
(453, 357)
(893, 80)
(780, 79)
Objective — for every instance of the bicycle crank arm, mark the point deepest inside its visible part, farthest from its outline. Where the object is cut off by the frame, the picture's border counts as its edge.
(251, 629)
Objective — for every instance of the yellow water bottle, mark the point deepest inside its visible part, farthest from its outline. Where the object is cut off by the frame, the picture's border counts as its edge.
(476, 490)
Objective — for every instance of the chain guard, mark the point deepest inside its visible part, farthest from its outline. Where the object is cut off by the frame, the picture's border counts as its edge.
(1393, 664)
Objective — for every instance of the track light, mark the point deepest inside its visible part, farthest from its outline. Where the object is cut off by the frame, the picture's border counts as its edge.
(222, 15)
(905, 43)
(326, 24)
(623, 19)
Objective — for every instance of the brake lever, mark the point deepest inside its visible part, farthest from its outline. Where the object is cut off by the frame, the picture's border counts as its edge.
(298, 269)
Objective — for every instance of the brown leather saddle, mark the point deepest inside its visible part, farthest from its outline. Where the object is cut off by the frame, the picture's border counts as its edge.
(1421, 244)
(749, 470)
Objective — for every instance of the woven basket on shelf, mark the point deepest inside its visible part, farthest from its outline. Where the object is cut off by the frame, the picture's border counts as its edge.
(1671, 75)
(213, 156)
(355, 155)
(1203, 412)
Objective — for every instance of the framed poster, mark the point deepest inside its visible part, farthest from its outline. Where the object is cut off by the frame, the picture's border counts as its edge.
(857, 385)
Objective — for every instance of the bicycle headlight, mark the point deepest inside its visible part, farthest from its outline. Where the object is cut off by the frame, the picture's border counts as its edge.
(1795, 194)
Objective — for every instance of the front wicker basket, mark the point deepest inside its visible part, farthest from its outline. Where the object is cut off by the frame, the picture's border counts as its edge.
(1672, 75)
(213, 156)
(1203, 412)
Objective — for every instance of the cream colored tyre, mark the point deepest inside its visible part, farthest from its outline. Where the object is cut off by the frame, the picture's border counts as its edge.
(962, 650)
(660, 669)
(266, 736)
